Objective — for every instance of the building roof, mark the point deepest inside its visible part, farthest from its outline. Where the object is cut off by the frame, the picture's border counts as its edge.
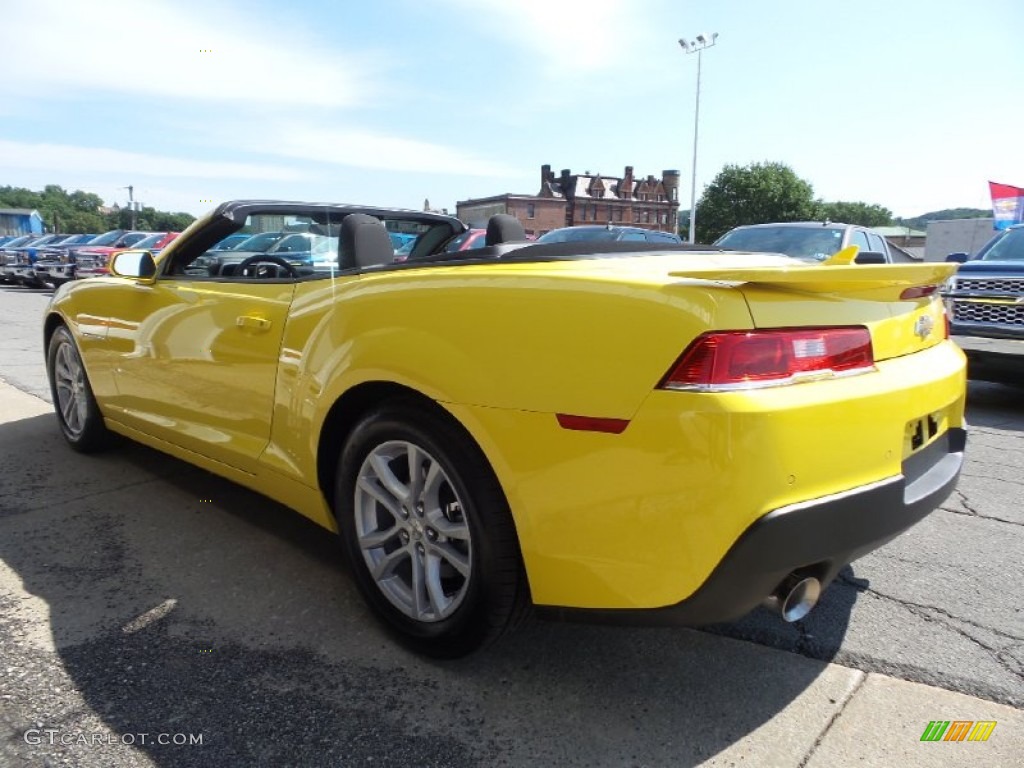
(19, 211)
(898, 232)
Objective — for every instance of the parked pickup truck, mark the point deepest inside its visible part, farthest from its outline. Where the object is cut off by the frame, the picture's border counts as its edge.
(985, 304)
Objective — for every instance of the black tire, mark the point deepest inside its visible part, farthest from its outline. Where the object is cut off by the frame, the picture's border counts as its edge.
(465, 611)
(78, 415)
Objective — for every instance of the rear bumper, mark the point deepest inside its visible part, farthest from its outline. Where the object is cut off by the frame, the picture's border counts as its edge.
(817, 538)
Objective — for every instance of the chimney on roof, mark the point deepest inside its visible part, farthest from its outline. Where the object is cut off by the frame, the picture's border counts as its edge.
(626, 188)
(566, 183)
(546, 177)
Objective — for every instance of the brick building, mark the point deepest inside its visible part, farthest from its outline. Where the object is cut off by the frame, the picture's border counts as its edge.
(584, 198)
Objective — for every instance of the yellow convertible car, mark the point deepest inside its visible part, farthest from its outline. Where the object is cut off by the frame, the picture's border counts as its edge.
(629, 430)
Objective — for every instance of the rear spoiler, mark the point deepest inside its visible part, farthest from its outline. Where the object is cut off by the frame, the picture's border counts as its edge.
(822, 278)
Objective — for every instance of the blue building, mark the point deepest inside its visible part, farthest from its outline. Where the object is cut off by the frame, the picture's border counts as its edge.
(20, 221)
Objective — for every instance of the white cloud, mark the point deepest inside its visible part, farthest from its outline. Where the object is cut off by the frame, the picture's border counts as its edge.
(172, 49)
(67, 159)
(364, 149)
(571, 36)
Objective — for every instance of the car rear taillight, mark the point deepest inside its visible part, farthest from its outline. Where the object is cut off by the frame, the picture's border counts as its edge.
(728, 360)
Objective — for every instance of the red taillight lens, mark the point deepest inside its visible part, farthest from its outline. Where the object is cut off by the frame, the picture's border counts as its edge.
(764, 358)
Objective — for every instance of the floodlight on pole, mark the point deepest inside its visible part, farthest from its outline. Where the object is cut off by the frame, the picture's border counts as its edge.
(697, 46)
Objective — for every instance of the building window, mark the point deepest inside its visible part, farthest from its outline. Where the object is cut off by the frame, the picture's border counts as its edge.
(583, 213)
(675, 194)
(664, 218)
(530, 210)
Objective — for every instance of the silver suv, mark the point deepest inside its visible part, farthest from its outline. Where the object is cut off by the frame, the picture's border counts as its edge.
(810, 241)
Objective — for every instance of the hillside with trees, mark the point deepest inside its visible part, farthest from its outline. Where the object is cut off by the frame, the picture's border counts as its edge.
(78, 211)
(921, 222)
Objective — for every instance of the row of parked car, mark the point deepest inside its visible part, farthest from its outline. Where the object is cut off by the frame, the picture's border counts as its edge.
(38, 260)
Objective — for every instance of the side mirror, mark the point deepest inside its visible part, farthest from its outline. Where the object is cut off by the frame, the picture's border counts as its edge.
(957, 258)
(870, 257)
(137, 264)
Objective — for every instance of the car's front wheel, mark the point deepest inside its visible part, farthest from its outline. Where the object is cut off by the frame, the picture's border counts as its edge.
(79, 416)
(428, 531)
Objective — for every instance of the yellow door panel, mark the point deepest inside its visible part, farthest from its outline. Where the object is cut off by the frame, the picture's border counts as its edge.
(195, 363)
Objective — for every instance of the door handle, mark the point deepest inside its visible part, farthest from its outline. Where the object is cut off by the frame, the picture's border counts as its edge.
(253, 322)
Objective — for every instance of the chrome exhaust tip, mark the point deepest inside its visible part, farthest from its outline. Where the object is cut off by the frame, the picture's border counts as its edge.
(794, 597)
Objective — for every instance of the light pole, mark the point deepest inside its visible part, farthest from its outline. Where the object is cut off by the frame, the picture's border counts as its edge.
(131, 202)
(696, 46)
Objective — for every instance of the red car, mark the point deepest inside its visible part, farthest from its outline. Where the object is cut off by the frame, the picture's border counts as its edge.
(93, 260)
(471, 238)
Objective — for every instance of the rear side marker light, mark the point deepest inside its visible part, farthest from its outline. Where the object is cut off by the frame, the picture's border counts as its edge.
(592, 423)
(735, 360)
(918, 292)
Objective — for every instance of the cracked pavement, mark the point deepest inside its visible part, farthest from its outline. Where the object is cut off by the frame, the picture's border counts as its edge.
(942, 604)
(116, 583)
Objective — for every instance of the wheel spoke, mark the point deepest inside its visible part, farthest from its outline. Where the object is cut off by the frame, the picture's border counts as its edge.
(385, 567)
(419, 592)
(368, 486)
(61, 366)
(68, 408)
(377, 538)
(387, 478)
(432, 482)
(458, 560)
(439, 601)
(415, 457)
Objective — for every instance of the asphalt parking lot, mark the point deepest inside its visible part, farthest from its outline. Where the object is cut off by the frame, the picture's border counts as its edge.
(139, 595)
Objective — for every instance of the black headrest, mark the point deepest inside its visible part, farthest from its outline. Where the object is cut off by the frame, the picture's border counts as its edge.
(364, 242)
(503, 228)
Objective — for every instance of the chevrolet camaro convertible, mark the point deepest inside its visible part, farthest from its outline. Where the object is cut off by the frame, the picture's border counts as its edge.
(634, 431)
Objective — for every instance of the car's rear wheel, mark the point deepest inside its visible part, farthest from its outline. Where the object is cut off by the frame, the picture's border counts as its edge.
(428, 531)
(79, 416)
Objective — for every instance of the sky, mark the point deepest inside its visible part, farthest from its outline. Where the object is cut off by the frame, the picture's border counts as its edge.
(909, 104)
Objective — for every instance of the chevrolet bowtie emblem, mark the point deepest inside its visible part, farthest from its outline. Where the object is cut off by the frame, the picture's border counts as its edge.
(924, 326)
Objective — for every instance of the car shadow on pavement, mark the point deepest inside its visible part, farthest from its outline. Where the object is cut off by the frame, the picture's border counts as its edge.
(995, 405)
(141, 597)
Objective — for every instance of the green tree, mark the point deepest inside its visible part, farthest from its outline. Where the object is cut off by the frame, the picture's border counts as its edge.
(921, 222)
(150, 219)
(864, 214)
(753, 194)
(74, 212)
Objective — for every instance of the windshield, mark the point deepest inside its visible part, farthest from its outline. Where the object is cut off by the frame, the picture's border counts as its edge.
(808, 243)
(259, 243)
(148, 242)
(108, 238)
(578, 234)
(1007, 246)
(291, 243)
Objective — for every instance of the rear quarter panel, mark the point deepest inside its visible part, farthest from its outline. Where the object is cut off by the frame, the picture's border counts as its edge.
(500, 336)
